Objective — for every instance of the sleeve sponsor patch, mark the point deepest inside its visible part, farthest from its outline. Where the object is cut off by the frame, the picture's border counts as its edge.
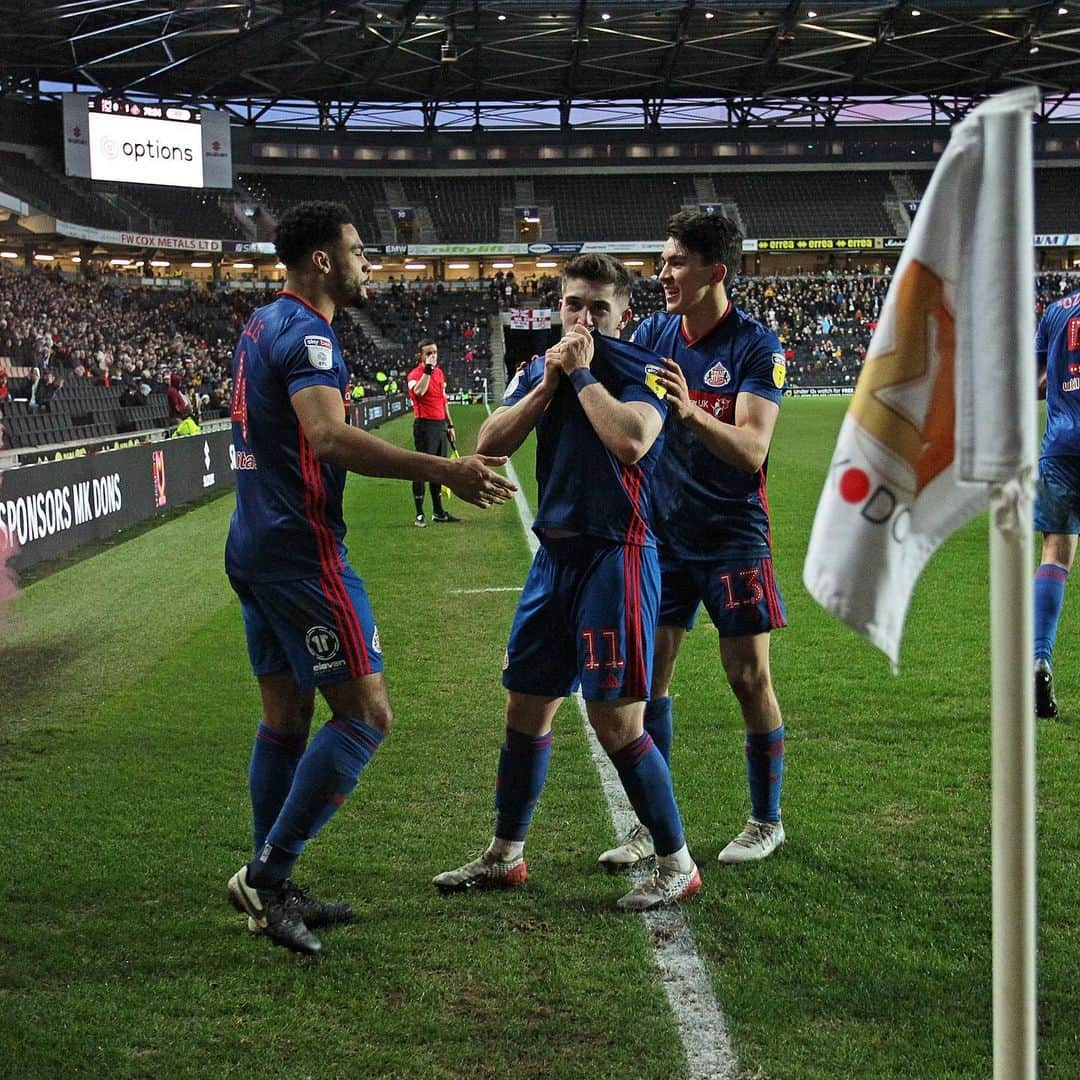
(779, 370)
(320, 351)
(652, 382)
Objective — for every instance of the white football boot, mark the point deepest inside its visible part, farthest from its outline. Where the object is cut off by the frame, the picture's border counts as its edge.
(758, 840)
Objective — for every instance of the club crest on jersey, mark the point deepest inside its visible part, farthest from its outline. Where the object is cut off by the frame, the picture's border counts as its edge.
(717, 375)
(652, 371)
(779, 370)
(320, 352)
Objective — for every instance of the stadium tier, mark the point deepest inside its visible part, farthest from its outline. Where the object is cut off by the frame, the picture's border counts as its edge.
(809, 203)
(573, 206)
(48, 189)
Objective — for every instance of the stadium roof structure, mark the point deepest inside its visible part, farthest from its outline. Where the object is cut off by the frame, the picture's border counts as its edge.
(441, 64)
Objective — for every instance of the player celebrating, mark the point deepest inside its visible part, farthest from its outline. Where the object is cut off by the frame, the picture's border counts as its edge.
(1057, 502)
(306, 613)
(589, 604)
(723, 383)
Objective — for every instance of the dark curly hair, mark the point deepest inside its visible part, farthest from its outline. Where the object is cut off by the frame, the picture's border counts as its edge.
(602, 269)
(307, 226)
(712, 236)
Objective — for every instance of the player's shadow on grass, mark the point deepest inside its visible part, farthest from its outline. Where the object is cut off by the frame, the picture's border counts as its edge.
(30, 673)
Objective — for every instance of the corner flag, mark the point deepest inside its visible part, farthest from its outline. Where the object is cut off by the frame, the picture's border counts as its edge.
(943, 424)
(937, 415)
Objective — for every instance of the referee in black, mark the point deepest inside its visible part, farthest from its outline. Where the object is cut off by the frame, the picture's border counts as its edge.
(433, 430)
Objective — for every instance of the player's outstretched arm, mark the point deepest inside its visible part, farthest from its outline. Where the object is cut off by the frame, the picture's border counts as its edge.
(322, 418)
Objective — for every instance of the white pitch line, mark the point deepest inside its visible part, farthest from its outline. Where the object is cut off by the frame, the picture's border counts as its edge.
(698, 1019)
(499, 588)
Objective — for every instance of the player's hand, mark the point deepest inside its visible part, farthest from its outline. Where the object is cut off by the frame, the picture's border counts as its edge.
(678, 393)
(575, 350)
(474, 479)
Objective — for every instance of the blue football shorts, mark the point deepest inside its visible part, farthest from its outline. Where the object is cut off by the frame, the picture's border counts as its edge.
(1057, 495)
(587, 617)
(323, 629)
(741, 596)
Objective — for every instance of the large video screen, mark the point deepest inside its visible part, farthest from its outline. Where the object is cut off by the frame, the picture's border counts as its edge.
(140, 143)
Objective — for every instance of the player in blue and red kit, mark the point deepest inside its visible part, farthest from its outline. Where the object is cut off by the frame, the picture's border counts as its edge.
(306, 613)
(588, 608)
(724, 377)
(1057, 502)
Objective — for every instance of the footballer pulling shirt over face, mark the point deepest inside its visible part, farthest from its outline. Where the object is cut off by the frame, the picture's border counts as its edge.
(571, 461)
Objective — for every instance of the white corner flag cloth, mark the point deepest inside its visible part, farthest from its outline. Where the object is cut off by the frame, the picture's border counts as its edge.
(938, 415)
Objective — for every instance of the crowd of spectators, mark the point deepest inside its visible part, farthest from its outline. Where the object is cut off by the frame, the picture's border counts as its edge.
(179, 341)
(456, 319)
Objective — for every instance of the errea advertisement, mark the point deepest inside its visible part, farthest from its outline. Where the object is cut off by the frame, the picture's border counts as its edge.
(139, 150)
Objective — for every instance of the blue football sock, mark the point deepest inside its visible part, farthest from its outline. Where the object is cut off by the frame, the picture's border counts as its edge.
(658, 724)
(647, 781)
(274, 757)
(523, 766)
(1049, 597)
(326, 774)
(765, 771)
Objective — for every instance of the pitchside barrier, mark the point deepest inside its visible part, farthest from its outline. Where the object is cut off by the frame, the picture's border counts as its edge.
(50, 509)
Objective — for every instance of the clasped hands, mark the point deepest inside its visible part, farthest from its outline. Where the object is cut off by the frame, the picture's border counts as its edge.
(573, 351)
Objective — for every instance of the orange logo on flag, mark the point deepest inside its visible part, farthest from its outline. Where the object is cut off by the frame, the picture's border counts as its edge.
(916, 345)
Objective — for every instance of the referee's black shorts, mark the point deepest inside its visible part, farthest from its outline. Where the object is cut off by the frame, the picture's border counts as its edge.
(429, 437)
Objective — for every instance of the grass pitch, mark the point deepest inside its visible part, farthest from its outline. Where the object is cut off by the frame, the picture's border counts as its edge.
(861, 949)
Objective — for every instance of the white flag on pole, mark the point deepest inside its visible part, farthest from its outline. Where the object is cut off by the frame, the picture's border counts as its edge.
(937, 414)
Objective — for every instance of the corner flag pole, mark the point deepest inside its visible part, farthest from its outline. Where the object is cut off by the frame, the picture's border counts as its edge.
(1012, 714)
(1012, 618)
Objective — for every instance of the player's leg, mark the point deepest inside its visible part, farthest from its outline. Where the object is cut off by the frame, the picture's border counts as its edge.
(327, 631)
(615, 617)
(539, 670)
(418, 485)
(523, 767)
(746, 665)
(441, 447)
(680, 598)
(1058, 555)
(280, 741)
(745, 604)
(1057, 517)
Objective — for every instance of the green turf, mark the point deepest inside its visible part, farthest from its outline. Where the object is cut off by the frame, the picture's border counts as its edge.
(861, 949)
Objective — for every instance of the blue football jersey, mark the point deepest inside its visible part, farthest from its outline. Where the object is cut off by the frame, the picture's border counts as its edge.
(1057, 349)
(582, 486)
(706, 509)
(288, 523)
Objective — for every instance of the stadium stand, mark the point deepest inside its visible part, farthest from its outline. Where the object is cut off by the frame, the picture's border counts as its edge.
(184, 211)
(277, 191)
(607, 207)
(48, 189)
(1055, 198)
(462, 208)
(792, 204)
(113, 349)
